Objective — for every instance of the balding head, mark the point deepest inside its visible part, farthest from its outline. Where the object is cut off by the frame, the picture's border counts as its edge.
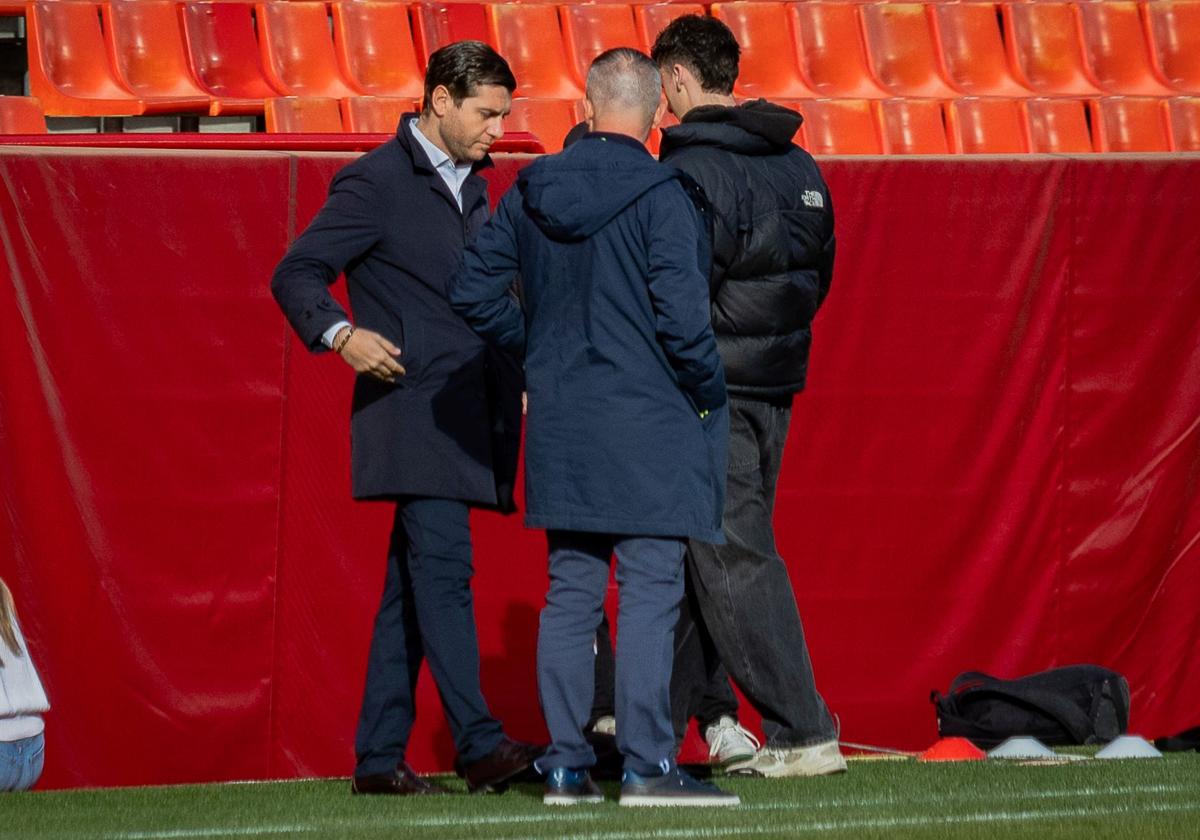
(623, 92)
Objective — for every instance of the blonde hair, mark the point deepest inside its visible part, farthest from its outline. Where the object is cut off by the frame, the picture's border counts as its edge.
(8, 617)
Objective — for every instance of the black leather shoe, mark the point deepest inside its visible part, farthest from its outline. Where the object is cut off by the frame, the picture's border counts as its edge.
(494, 770)
(401, 782)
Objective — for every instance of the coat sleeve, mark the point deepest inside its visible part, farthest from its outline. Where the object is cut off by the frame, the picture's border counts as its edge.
(347, 226)
(726, 212)
(482, 289)
(679, 296)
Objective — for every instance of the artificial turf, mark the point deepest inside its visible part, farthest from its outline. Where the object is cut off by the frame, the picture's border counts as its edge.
(1142, 799)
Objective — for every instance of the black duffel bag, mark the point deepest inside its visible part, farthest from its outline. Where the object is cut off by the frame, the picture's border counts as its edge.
(1075, 704)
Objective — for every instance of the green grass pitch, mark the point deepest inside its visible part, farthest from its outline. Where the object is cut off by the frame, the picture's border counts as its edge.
(1141, 799)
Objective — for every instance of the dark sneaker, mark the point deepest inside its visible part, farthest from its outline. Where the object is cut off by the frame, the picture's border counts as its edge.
(565, 786)
(673, 788)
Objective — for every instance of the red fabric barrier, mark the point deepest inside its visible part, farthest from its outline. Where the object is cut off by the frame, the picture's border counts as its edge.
(994, 466)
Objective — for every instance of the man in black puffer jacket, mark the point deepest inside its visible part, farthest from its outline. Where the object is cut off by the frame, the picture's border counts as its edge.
(773, 248)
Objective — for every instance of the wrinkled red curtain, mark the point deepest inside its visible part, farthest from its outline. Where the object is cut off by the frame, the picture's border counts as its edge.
(994, 466)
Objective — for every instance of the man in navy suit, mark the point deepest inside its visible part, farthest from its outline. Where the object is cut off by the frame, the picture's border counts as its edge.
(435, 422)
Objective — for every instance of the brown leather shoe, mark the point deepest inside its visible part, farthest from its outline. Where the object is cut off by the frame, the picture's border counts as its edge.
(401, 782)
(500, 765)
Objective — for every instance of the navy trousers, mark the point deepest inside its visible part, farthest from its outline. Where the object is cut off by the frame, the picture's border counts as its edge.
(426, 612)
(650, 578)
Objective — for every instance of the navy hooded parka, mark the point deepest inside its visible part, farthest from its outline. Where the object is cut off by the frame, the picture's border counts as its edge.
(620, 359)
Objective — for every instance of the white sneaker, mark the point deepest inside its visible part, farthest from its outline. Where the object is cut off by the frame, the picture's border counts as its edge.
(606, 725)
(729, 742)
(818, 760)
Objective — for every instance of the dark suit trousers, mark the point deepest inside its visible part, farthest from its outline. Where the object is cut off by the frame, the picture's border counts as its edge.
(426, 612)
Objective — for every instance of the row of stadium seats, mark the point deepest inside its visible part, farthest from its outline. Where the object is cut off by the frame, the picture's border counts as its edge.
(130, 57)
(972, 125)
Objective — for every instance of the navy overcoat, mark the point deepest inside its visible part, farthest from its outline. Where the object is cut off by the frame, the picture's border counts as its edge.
(621, 360)
(450, 427)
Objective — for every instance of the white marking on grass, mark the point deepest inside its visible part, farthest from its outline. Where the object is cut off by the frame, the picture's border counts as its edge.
(558, 816)
(384, 822)
(743, 830)
(582, 815)
(973, 795)
(232, 831)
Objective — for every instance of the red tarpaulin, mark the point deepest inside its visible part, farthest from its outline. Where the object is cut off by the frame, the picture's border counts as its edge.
(995, 465)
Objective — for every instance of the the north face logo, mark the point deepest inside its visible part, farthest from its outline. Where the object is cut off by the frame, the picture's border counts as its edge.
(812, 198)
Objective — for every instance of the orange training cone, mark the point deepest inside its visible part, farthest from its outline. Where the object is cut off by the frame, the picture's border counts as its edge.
(953, 749)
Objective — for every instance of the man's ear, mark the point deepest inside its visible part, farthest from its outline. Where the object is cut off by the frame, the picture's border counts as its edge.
(589, 113)
(659, 112)
(441, 101)
(679, 76)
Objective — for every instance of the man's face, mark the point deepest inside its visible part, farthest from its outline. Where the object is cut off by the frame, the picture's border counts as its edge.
(470, 129)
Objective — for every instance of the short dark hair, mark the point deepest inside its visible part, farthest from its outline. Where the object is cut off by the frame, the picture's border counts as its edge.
(462, 67)
(703, 45)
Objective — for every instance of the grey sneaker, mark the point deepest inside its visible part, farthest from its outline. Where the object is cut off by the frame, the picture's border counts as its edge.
(818, 760)
(729, 742)
(674, 788)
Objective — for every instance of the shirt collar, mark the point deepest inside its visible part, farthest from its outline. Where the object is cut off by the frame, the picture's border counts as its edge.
(437, 157)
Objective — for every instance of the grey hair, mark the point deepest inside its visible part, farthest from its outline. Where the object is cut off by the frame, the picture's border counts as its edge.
(625, 79)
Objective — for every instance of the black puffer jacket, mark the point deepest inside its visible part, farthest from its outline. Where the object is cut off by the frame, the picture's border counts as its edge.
(773, 242)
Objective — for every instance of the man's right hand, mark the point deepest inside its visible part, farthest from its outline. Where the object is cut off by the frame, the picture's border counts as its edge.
(369, 352)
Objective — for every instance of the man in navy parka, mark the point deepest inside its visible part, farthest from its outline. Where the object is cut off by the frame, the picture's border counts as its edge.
(627, 425)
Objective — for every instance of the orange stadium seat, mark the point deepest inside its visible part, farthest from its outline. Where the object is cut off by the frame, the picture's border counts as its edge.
(438, 24)
(68, 63)
(145, 41)
(769, 65)
(1185, 122)
(302, 115)
(591, 28)
(297, 50)
(832, 54)
(901, 49)
(224, 55)
(913, 126)
(1058, 126)
(548, 120)
(1131, 124)
(987, 126)
(1174, 29)
(653, 18)
(375, 114)
(375, 50)
(1115, 44)
(973, 49)
(529, 37)
(1044, 49)
(841, 127)
(21, 115)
